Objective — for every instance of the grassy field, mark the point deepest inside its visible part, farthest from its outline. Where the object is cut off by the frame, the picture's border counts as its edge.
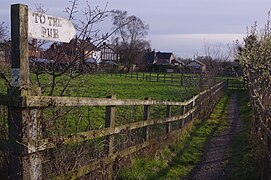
(102, 85)
(69, 120)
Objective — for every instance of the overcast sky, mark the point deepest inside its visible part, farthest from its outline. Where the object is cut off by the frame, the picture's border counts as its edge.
(179, 26)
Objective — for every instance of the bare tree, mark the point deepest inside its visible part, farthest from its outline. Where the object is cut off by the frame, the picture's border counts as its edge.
(3, 32)
(130, 37)
(4, 48)
(68, 59)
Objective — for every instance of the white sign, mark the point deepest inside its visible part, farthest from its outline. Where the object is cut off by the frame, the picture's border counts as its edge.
(47, 27)
(15, 72)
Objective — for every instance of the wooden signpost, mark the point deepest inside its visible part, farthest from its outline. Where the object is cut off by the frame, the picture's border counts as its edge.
(24, 122)
(52, 28)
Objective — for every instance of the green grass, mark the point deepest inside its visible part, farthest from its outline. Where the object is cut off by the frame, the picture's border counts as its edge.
(79, 119)
(242, 164)
(177, 161)
(102, 85)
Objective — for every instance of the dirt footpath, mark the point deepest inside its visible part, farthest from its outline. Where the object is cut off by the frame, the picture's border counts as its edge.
(213, 163)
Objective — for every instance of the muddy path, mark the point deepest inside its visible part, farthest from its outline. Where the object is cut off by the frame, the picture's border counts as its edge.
(215, 158)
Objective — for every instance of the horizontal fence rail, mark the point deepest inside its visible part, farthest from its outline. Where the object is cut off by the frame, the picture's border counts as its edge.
(108, 134)
(237, 84)
(183, 80)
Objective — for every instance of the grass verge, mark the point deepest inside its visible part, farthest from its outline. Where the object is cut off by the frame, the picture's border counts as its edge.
(242, 164)
(175, 162)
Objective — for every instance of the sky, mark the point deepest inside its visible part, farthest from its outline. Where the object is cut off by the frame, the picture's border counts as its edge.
(183, 27)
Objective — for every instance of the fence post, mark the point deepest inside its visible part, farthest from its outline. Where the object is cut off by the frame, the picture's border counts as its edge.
(137, 75)
(109, 123)
(157, 78)
(23, 124)
(146, 117)
(110, 117)
(192, 113)
(227, 83)
(168, 115)
(183, 109)
(181, 80)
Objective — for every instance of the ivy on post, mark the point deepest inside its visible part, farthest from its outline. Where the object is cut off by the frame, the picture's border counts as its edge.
(146, 129)
(23, 122)
(168, 115)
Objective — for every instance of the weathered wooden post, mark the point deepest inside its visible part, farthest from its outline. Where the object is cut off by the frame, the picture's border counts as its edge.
(157, 78)
(110, 117)
(183, 111)
(146, 117)
(168, 115)
(181, 80)
(109, 123)
(192, 107)
(24, 125)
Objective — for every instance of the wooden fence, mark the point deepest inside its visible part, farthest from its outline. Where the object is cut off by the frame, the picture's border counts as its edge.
(32, 151)
(180, 79)
(28, 149)
(237, 84)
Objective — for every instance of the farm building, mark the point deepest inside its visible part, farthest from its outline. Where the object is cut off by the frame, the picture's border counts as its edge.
(195, 66)
(164, 58)
(108, 54)
(162, 62)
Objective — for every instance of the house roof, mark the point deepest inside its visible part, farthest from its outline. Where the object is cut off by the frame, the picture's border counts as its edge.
(82, 44)
(109, 46)
(195, 63)
(150, 56)
(163, 55)
(91, 61)
(178, 61)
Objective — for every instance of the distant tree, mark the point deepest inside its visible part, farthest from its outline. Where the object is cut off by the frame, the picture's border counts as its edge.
(130, 37)
(3, 32)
